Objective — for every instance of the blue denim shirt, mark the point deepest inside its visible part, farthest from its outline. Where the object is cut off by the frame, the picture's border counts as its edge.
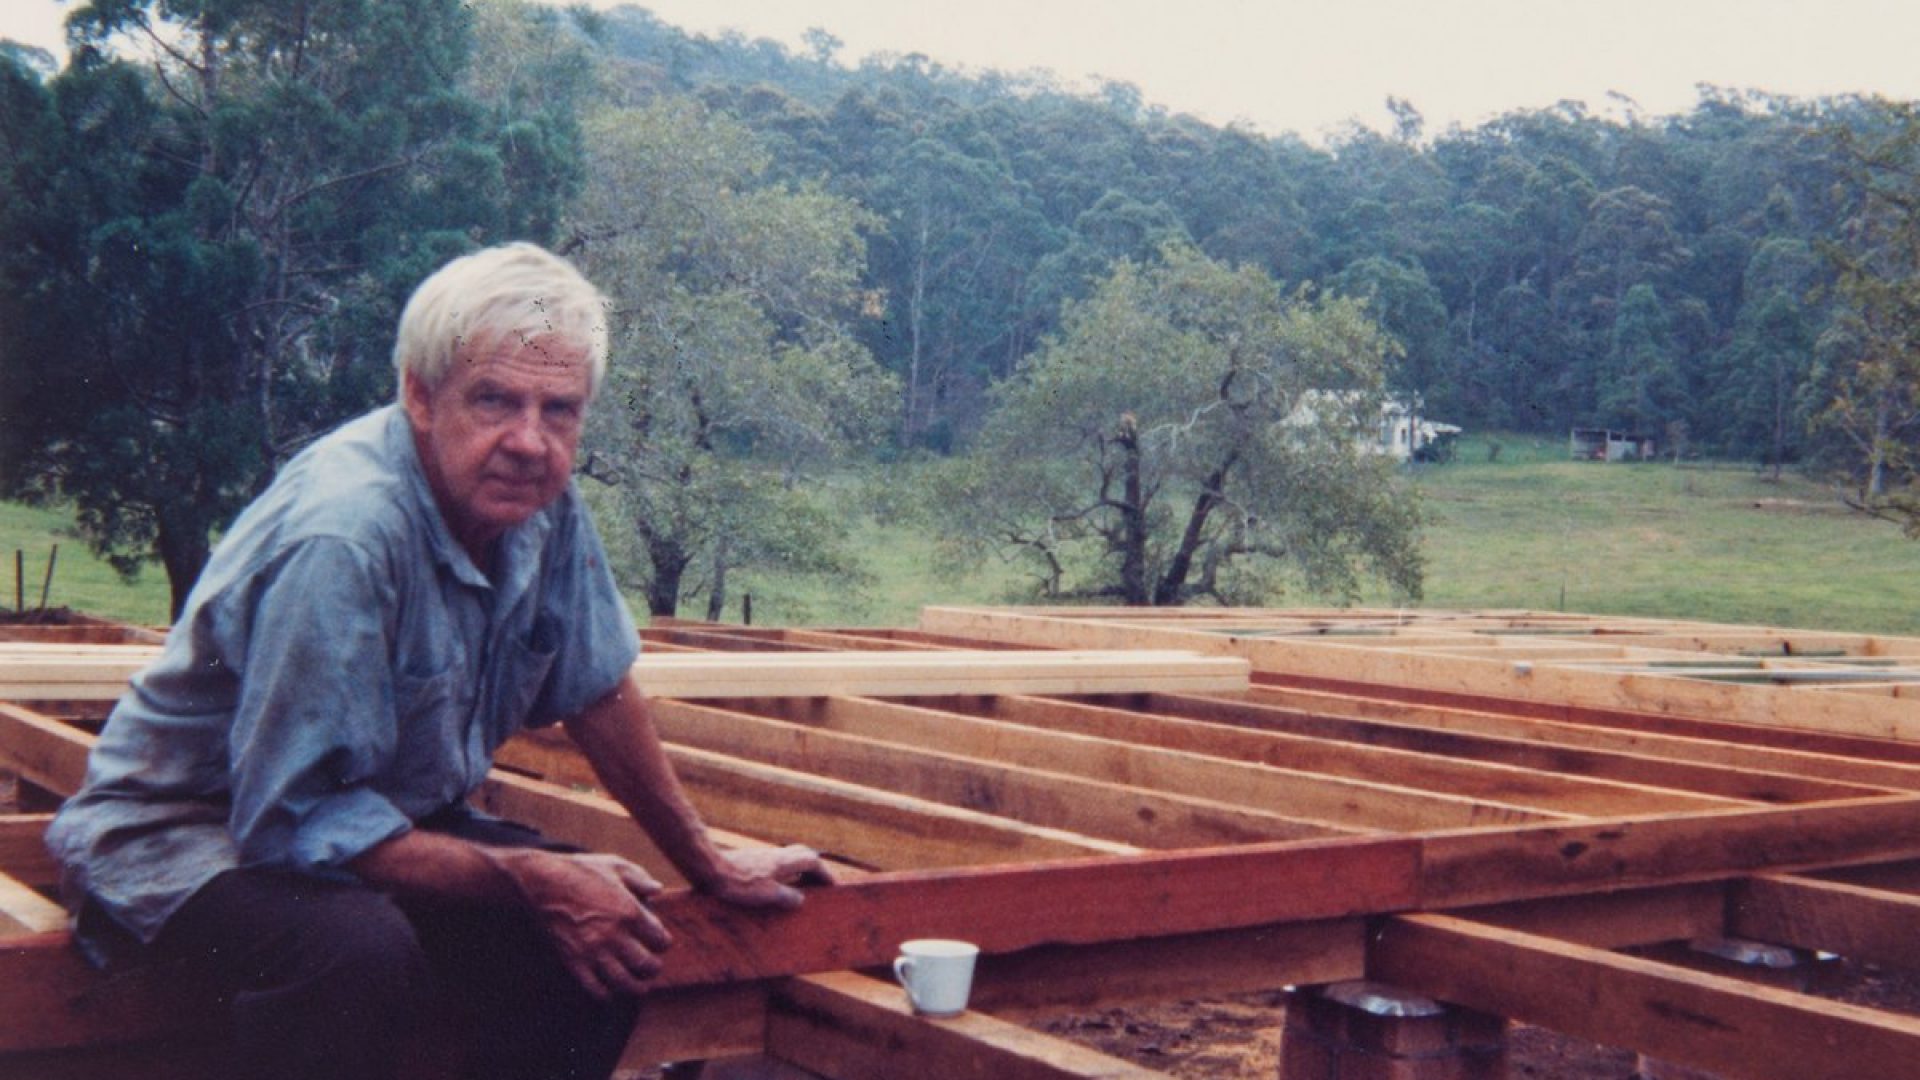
(341, 670)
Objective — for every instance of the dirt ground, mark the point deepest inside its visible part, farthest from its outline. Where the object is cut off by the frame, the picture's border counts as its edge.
(1239, 1037)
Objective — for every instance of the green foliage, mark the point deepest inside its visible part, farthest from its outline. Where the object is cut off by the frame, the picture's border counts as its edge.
(203, 250)
(734, 374)
(1871, 353)
(1191, 422)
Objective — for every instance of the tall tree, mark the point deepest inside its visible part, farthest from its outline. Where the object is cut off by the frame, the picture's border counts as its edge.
(236, 209)
(1402, 299)
(736, 373)
(1194, 431)
(1871, 353)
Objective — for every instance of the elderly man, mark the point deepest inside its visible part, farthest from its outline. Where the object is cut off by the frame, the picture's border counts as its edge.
(279, 802)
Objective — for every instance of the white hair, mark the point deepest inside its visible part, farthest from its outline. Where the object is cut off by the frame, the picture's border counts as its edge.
(513, 290)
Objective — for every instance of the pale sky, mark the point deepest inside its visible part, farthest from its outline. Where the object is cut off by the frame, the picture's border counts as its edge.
(1311, 67)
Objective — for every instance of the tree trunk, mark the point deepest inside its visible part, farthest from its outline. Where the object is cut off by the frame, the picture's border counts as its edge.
(1133, 514)
(183, 549)
(663, 586)
(1173, 582)
(717, 595)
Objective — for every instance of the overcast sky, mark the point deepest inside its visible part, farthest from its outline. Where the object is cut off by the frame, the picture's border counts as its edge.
(1311, 66)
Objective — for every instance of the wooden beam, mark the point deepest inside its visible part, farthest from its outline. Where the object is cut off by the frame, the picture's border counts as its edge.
(1240, 735)
(51, 998)
(89, 1012)
(24, 911)
(44, 751)
(1461, 869)
(1290, 785)
(1005, 909)
(1750, 774)
(103, 671)
(700, 1023)
(1180, 967)
(1613, 920)
(1626, 738)
(891, 673)
(1692, 1018)
(876, 828)
(1860, 923)
(1761, 706)
(1117, 812)
(581, 818)
(23, 850)
(846, 1026)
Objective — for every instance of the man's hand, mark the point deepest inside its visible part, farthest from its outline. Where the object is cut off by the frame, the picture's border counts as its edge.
(765, 877)
(590, 905)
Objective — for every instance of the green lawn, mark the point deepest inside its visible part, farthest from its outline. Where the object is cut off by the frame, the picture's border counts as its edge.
(1723, 544)
(28, 537)
(1527, 529)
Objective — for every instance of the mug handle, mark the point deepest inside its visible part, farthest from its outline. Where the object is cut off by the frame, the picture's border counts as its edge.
(903, 971)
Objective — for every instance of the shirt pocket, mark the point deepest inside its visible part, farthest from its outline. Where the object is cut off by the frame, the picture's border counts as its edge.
(520, 676)
(429, 767)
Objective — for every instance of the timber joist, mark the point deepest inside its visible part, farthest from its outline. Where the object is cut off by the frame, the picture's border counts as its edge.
(1505, 810)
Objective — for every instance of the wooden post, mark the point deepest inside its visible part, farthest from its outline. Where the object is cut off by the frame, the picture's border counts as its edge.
(47, 585)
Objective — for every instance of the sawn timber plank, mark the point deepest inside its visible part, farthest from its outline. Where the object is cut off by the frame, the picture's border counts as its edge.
(846, 1026)
(1691, 1018)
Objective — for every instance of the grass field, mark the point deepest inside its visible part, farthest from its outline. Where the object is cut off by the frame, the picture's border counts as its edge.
(1527, 529)
(28, 537)
(1723, 544)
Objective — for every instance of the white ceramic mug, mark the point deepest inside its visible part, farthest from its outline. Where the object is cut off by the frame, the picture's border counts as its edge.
(937, 973)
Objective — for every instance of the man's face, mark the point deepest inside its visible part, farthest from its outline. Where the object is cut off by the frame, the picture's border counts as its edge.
(498, 435)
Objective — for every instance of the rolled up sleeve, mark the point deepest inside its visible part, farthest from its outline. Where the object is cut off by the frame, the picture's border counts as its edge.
(316, 720)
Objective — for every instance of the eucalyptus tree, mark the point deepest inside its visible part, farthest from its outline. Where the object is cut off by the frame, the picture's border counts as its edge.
(1194, 431)
(735, 372)
(1402, 299)
(1870, 353)
(212, 217)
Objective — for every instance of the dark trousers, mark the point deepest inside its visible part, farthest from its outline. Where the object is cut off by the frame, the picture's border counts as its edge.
(328, 979)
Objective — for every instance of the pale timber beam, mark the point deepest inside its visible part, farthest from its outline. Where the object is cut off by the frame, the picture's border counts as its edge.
(1758, 774)
(43, 751)
(1764, 706)
(846, 1026)
(1128, 814)
(1860, 923)
(1240, 733)
(1738, 735)
(25, 911)
(1815, 775)
(1390, 800)
(894, 673)
(779, 671)
(1460, 869)
(1693, 1018)
(876, 828)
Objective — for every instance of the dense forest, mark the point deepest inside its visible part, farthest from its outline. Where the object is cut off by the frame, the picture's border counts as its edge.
(1546, 269)
(875, 259)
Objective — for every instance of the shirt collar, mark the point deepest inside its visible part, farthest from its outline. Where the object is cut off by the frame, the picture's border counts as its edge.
(446, 550)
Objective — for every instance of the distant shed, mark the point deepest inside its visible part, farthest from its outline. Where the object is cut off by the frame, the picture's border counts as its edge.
(1603, 444)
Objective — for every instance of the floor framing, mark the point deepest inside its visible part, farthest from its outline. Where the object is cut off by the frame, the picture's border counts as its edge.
(1497, 809)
